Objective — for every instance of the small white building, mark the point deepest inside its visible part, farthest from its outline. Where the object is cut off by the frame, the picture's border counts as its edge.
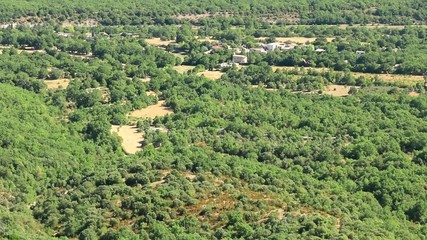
(272, 46)
(360, 52)
(240, 59)
(226, 65)
(320, 50)
(258, 50)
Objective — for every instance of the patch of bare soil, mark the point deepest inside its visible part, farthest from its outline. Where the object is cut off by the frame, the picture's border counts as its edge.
(207, 39)
(413, 94)
(195, 17)
(183, 68)
(392, 77)
(57, 84)
(84, 23)
(300, 40)
(213, 75)
(158, 42)
(131, 138)
(337, 90)
(152, 111)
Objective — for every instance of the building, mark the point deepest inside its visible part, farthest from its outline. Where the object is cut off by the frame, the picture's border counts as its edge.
(360, 52)
(240, 59)
(226, 65)
(320, 50)
(272, 46)
(258, 50)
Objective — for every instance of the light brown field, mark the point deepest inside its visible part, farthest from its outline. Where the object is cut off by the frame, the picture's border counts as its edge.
(300, 40)
(337, 90)
(57, 84)
(131, 138)
(207, 39)
(183, 68)
(382, 76)
(274, 68)
(158, 41)
(213, 75)
(392, 77)
(152, 111)
(413, 94)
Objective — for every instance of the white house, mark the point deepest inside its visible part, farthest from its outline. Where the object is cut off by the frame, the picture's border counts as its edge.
(258, 50)
(226, 65)
(360, 52)
(272, 46)
(240, 59)
(320, 50)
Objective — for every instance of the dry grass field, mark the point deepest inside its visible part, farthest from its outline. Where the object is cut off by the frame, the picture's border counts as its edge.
(158, 41)
(337, 90)
(152, 111)
(183, 68)
(213, 75)
(57, 84)
(131, 138)
(300, 40)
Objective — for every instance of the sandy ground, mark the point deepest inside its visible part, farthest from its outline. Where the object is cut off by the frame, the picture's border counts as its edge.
(159, 42)
(183, 68)
(413, 94)
(57, 84)
(131, 138)
(213, 75)
(337, 90)
(152, 111)
(151, 93)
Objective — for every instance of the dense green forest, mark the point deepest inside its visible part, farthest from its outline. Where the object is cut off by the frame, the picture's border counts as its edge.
(163, 12)
(263, 151)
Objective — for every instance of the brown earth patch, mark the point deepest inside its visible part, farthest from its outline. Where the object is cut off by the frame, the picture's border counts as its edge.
(131, 138)
(183, 68)
(57, 84)
(337, 90)
(158, 42)
(413, 94)
(157, 110)
(300, 40)
(213, 75)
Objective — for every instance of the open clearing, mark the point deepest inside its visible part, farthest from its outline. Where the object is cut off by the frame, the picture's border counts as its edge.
(213, 75)
(382, 76)
(183, 68)
(131, 138)
(392, 77)
(57, 84)
(158, 41)
(337, 90)
(207, 39)
(413, 94)
(152, 111)
(300, 40)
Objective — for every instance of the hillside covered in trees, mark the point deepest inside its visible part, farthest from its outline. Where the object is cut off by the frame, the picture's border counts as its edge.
(133, 12)
(323, 137)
